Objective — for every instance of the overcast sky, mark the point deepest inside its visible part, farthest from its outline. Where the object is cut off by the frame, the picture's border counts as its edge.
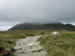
(16, 11)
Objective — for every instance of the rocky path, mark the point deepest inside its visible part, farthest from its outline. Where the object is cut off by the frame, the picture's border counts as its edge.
(29, 47)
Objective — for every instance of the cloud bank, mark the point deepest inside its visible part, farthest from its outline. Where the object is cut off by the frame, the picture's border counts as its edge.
(16, 11)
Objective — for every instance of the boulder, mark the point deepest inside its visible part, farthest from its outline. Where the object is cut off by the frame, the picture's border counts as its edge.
(55, 33)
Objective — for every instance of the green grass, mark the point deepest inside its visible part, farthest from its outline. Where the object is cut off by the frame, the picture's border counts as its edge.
(59, 45)
(8, 38)
(55, 45)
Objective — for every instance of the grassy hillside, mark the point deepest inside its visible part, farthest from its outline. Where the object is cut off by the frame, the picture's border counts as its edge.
(59, 45)
(55, 45)
(8, 38)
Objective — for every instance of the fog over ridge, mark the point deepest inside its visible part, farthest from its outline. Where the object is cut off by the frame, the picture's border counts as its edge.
(17, 11)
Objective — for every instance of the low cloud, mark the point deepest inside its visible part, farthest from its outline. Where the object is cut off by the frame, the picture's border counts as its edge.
(16, 11)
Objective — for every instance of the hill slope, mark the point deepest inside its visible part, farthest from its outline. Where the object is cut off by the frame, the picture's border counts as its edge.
(53, 26)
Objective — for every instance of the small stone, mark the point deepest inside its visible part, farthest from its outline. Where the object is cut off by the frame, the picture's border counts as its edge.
(55, 33)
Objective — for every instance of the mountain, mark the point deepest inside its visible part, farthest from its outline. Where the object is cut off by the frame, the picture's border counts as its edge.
(52, 26)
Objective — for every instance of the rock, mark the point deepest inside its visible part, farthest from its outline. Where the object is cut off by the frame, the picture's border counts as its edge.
(29, 47)
(37, 50)
(55, 33)
(30, 44)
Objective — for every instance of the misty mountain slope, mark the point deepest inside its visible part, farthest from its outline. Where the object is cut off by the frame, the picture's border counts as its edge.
(53, 26)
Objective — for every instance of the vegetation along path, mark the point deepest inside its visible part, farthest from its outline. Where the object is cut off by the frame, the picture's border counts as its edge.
(29, 47)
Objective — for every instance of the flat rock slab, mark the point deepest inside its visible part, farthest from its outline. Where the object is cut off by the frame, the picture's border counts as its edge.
(29, 47)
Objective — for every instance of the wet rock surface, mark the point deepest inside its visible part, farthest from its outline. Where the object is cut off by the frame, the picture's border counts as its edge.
(29, 47)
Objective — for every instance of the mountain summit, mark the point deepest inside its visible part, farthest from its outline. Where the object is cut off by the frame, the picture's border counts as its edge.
(52, 26)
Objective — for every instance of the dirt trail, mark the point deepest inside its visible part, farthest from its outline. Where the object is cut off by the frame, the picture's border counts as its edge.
(29, 47)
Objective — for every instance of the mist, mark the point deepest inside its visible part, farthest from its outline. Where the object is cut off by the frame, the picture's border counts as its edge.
(13, 12)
